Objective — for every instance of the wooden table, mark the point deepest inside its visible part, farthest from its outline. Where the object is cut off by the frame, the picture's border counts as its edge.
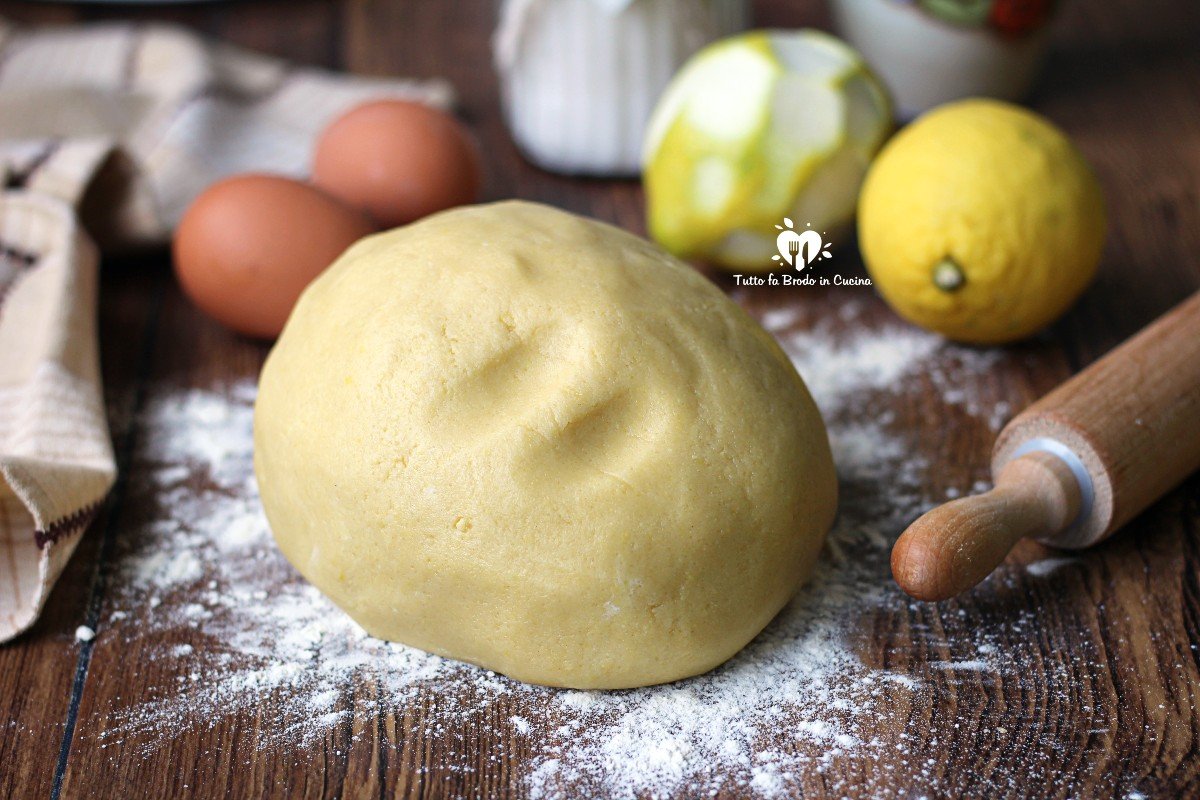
(1106, 702)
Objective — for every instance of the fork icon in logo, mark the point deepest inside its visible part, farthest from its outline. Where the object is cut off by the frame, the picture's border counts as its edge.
(799, 248)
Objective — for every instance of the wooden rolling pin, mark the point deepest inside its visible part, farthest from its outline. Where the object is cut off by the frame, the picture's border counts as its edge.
(1076, 465)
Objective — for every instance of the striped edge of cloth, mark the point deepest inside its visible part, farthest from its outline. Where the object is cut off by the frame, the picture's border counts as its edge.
(112, 128)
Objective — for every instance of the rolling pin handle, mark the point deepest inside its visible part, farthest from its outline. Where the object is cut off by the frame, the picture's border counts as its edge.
(1072, 461)
(1074, 466)
(956, 545)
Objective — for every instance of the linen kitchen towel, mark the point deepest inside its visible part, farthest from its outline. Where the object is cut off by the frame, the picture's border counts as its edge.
(106, 134)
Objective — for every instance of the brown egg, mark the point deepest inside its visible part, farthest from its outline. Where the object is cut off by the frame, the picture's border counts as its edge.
(398, 161)
(248, 245)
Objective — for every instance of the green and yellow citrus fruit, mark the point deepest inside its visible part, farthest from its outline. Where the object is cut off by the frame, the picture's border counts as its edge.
(981, 221)
(755, 128)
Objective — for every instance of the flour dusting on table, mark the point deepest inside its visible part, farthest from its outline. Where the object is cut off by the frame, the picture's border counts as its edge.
(199, 583)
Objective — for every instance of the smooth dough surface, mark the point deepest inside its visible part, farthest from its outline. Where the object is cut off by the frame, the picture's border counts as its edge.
(524, 439)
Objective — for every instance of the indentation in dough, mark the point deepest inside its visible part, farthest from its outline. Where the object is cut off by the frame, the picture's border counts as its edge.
(613, 435)
(543, 383)
(498, 392)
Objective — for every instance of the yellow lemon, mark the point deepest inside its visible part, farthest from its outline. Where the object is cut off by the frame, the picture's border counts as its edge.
(981, 221)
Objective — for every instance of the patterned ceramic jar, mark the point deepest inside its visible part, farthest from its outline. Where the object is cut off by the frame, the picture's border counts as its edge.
(929, 52)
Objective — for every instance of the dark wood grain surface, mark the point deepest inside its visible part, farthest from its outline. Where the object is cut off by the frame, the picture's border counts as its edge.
(1107, 704)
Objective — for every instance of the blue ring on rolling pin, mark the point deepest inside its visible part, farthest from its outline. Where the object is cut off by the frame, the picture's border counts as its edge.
(1087, 492)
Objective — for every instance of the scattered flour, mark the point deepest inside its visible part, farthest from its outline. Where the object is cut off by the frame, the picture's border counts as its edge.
(974, 665)
(861, 362)
(1048, 566)
(200, 578)
(844, 363)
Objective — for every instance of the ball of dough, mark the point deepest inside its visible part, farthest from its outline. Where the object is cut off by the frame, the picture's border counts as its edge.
(520, 438)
